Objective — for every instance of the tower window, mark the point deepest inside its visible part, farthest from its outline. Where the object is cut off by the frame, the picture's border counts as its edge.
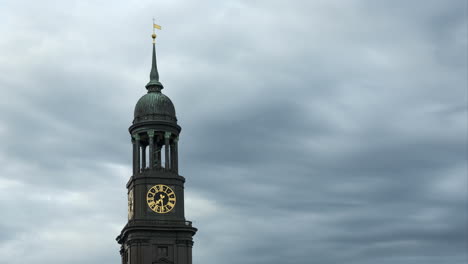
(162, 251)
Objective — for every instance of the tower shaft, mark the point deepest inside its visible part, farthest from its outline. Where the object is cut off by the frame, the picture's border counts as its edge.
(157, 231)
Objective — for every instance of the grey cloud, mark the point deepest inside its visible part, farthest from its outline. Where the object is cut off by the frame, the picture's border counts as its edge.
(315, 131)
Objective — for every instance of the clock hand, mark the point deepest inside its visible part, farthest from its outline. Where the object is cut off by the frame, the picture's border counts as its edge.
(160, 200)
(161, 197)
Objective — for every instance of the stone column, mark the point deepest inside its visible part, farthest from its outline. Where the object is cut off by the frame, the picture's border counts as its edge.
(122, 252)
(171, 154)
(134, 155)
(143, 157)
(158, 151)
(151, 148)
(137, 156)
(176, 155)
(167, 135)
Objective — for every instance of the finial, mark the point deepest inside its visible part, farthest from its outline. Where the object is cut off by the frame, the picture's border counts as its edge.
(154, 85)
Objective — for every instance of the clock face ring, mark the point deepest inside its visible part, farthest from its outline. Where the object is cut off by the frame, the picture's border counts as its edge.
(161, 199)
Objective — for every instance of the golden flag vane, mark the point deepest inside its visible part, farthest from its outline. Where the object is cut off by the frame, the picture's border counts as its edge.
(154, 34)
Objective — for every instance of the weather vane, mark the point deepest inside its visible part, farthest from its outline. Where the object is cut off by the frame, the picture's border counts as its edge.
(154, 34)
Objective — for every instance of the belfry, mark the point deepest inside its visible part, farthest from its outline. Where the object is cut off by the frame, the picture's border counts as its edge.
(157, 231)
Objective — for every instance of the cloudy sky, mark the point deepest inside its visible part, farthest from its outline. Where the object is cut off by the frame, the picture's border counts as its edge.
(313, 131)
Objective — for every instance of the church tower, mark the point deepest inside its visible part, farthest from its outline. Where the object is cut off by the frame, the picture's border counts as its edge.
(157, 231)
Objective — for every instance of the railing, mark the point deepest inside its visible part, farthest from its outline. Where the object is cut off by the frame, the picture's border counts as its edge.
(156, 169)
(159, 222)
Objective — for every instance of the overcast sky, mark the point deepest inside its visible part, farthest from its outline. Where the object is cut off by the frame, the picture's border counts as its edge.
(312, 131)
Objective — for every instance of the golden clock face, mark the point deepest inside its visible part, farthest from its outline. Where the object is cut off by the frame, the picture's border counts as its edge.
(130, 204)
(161, 199)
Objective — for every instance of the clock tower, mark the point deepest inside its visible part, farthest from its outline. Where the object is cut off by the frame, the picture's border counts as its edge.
(157, 231)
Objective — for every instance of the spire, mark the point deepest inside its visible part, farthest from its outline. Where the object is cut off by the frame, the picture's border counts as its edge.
(154, 85)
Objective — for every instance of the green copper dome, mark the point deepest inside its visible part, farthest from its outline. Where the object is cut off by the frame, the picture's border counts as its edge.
(154, 106)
